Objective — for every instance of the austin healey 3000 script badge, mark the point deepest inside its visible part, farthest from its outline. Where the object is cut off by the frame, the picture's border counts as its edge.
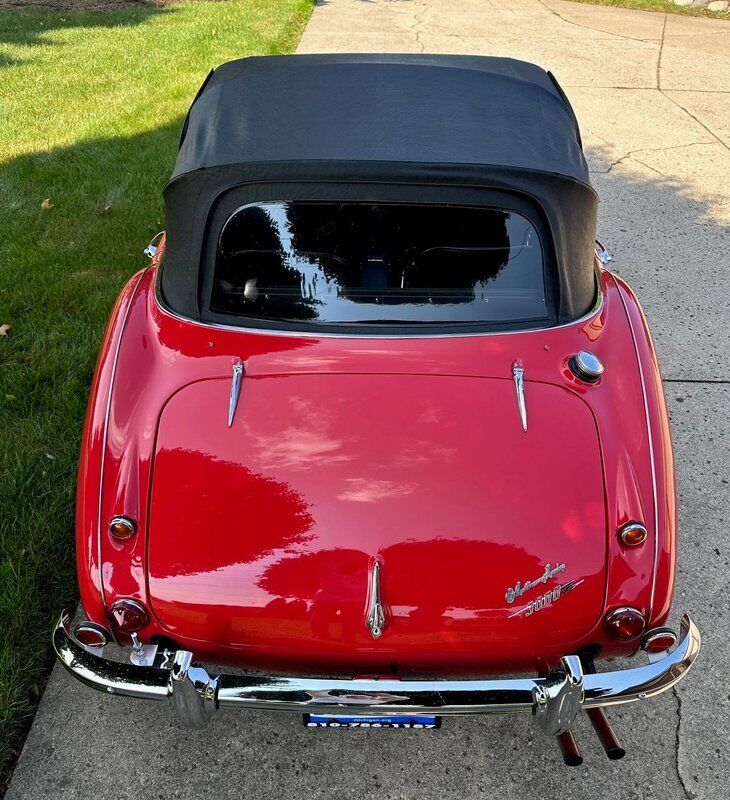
(520, 588)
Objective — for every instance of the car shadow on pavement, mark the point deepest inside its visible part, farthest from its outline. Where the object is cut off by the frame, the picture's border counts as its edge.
(670, 236)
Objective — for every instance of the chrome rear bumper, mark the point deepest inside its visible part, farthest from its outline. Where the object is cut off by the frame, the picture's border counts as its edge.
(554, 700)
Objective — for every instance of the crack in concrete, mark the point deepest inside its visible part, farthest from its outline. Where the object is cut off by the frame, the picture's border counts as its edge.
(704, 33)
(589, 27)
(632, 153)
(671, 99)
(658, 67)
(651, 169)
(699, 91)
(659, 56)
(708, 381)
(526, 38)
(686, 791)
(415, 27)
(640, 88)
(692, 116)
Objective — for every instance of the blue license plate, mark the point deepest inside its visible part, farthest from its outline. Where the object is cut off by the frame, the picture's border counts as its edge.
(416, 722)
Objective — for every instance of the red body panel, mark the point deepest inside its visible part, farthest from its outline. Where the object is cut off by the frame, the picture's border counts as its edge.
(90, 477)
(254, 542)
(320, 474)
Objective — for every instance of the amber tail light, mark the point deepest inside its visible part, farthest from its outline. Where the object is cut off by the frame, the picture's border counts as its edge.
(122, 528)
(633, 534)
(624, 624)
(129, 616)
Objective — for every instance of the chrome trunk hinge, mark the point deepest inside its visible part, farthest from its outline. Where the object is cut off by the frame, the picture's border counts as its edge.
(518, 374)
(151, 250)
(602, 253)
(235, 390)
(376, 616)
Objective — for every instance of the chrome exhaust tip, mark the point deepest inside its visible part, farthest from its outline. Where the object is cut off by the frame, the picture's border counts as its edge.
(604, 731)
(569, 749)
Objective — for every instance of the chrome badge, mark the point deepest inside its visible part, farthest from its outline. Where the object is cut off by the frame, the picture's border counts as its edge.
(546, 600)
(520, 588)
(376, 615)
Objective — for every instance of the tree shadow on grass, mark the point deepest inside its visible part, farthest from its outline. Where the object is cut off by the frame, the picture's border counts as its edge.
(60, 270)
(31, 24)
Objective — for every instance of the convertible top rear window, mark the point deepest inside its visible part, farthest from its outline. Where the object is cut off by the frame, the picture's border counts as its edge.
(349, 263)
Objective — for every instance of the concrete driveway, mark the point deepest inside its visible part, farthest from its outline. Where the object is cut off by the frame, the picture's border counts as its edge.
(652, 93)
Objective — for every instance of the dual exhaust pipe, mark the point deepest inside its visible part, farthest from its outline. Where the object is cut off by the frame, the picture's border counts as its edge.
(609, 741)
(569, 747)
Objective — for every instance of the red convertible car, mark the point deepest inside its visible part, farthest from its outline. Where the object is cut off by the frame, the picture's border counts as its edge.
(377, 426)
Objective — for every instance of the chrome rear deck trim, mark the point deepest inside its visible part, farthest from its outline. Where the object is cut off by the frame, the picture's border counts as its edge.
(236, 377)
(518, 375)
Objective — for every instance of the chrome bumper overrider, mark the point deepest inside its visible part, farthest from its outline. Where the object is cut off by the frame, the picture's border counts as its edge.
(554, 700)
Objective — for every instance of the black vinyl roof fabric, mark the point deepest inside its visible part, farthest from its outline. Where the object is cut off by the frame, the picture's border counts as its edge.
(359, 121)
(423, 109)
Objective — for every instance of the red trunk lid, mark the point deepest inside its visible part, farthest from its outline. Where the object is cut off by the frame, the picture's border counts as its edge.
(262, 535)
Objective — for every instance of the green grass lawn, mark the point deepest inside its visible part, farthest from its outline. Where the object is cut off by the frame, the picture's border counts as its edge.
(662, 6)
(91, 104)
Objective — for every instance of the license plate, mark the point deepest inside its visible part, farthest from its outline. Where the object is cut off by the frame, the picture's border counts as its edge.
(416, 722)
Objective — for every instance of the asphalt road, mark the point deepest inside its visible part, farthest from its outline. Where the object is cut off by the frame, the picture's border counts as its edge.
(652, 95)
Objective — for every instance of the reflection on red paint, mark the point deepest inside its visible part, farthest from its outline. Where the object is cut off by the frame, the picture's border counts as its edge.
(254, 542)
(319, 473)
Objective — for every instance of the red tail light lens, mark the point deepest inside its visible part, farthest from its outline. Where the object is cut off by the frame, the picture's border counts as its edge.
(624, 624)
(91, 634)
(129, 616)
(658, 640)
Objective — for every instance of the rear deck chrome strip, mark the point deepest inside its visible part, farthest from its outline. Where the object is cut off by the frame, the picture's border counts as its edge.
(238, 372)
(518, 374)
(376, 615)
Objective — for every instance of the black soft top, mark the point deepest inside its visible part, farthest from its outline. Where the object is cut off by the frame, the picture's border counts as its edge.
(304, 127)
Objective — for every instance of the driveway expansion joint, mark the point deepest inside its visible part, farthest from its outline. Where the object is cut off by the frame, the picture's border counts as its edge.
(700, 381)
(689, 795)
